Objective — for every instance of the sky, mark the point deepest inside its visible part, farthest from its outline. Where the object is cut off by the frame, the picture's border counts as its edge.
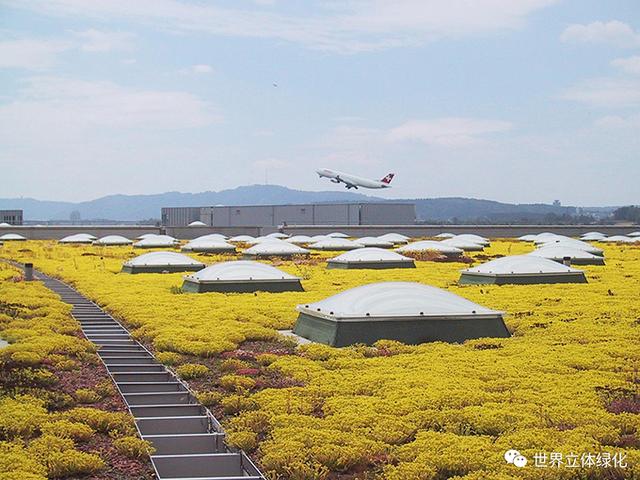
(517, 101)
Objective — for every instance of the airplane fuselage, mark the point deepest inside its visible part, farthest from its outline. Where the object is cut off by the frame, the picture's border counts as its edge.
(351, 181)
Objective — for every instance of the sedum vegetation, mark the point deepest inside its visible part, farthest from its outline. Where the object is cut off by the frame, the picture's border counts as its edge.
(567, 381)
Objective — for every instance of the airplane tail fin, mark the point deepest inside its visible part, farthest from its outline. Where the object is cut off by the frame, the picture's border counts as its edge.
(388, 178)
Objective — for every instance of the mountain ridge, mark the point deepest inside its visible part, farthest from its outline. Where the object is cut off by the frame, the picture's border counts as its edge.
(120, 207)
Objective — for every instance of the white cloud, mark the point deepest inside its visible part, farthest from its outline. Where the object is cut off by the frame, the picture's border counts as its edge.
(606, 92)
(447, 132)
(54, 107)
(31, 54)
(617, 122)
(101, 41)
(346, 27)
(200, 68)
(614, 33)
(628, 65)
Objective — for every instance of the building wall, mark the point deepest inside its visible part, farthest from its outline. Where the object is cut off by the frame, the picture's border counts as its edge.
(300, 214)
(13, 217)
(180, 216)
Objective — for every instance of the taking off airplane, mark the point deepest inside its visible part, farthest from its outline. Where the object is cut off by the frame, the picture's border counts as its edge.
(352, 181)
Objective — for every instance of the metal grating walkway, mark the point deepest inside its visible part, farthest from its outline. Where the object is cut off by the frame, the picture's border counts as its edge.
(188, 439)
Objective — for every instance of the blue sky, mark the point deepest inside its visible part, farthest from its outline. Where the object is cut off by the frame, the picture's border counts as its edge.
(518, 101)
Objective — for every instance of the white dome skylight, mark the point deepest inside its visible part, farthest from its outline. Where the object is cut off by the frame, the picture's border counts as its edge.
(156, 241)
(559, 252)
(242, 239)
(374, 242)
(446, 235)
(78, 238)
(430, 245)
(12, 237)
(465, 245)
(337, 235)
(197, 223)
(279, 235)
(168, 260)
(394, 299)
(335, 244)
(395, 238)
(240, 270)
(370, 256)
(209, 245)
(299, 239)
(275, 248)
(470, 237)
(112, 240)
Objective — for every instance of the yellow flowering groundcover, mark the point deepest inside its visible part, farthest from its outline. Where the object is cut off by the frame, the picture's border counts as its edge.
(59, 413)
(565, 383)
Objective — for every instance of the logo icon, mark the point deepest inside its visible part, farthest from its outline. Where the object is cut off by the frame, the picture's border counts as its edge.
(514, 457)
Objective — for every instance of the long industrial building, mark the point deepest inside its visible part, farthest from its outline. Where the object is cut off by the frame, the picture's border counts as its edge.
(384, 213)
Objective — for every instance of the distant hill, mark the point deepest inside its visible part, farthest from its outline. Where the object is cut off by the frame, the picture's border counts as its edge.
(138, 207)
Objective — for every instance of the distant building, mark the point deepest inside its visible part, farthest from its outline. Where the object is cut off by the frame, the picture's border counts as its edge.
(387, 213)
(12, 217)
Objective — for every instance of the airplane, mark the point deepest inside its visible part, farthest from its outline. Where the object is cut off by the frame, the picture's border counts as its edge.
(352, 181)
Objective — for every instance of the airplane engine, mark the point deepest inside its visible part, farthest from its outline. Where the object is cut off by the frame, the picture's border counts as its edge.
(335, 180)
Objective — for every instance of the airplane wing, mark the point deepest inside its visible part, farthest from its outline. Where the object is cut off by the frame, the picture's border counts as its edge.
(347, 185)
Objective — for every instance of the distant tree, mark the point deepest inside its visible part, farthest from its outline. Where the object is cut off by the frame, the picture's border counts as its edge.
(630, 213)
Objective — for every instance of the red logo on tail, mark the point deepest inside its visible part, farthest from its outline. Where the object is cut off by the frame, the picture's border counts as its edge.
(388, 178)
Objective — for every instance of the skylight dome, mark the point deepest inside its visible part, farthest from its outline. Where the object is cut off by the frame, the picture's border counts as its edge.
(430, 246)
(157, 262)
(209, 246)
(370, 258)
(395, 238)
(572, 242)
(335, 244)
(299, 239)
(197, 223)
(521, 269)
(261, 239)
(446, 235)
(633, 234)
(552, 239)
(470, 237)
(211, 236)
(156, 241)
(278, 235)
(374, 242)
(4, 225)
(78, 238)
(242, 239)
(528, 238)
(241, 276)
(337, 235)
(593, 237)
(404, 311)
(113, 240)
(12, 237)
(466, 245)
(146, 235)
(619, 239)
(274, 248)
(558, 253)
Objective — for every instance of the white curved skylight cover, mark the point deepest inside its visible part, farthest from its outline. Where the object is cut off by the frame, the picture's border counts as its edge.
(317, 238)
(12, 236)
(208, 244)
(527, 238)
(445, 235)
(240, 270)
(337, 235)
(156, 241)
(370, 254)
(329, 243)
(458, 243)
(521, 265)
(394, 237)
(572, 242)
(78, 238)
(558, 252)
(298, 239)
(470, 237)
(429, 245)
(159, 259)
(276, 247)
(197, 223)
(242, 238)
(146, 235)
(634, 234)
(113, 240)
(619, 238)
(263, 238)
(279, 235)
(211, 236)
(594, 237)
(374, 242)
(5, 224)
(552, 239)
(395, 299)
